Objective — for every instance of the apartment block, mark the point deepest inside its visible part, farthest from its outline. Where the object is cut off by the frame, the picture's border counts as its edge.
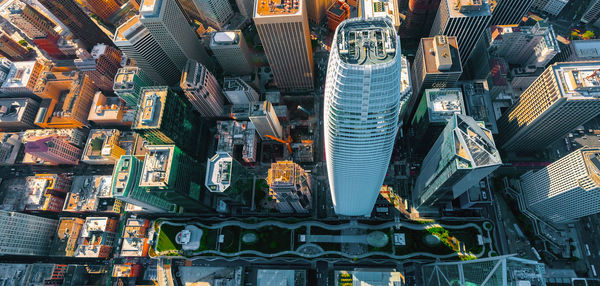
(236, 135)
(66, 237)
(92, 194)
(128, 85)
(238, 91)
(97, 237)
(25, 234)
(100, 65)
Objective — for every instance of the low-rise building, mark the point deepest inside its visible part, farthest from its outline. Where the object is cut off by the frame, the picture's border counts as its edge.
(224, 178)
(97, 237)
(92, 194)
(232, 135)
(135, 238)
(46, 192)
(104, 146)
(110, 111)
(238, 91)
(67, 235)
(10, 147)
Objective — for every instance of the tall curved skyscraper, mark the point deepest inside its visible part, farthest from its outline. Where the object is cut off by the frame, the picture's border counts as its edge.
(362, 101)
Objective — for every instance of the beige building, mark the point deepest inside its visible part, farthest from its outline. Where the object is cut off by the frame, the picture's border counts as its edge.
(285, 36)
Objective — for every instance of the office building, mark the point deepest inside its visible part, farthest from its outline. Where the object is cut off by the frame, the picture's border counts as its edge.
(189, 8)
(136, 42)
(232, 52)
(24, 234)
(245, 7)
(135, 240)
(437, 64)
(71, 15)
(75, 137)
(592, 13)
(265, 120)
(544, 111)
(101, 65)
(524, 45)
(176, 177)
(128, 85)
(265, 277)
(54, 150)
(499, 270)
(125, 187)
(316, 9)
(358, 145)
(225, 178)
(436, 108)
(202, 89)
(237, 135)
(369, 276)
(478, 103)
(66, 236)
(103, 147)
(10, 147)
(565, 190)
(92, 194)
(110, 111)
(464, 19)
(419, 18)
(337, 13)
(46, 192)
(165, 118)
(284, 34)
(21, 79)
(238, 91)
(104, 9)
(464, 153)
(165, 21)
(380, 8)
(552, 7)
(289, 186)
(12, 50)
(97, 238)
(509, 12)
(66, 99)
(17, 113)
(216, 13)
(579, 50)
(5, 65)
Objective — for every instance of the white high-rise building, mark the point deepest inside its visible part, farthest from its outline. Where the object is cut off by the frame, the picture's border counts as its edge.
(285, 36)
(167, 24)
(567, 189)
(464, 19)
(231, 51)
(25, 234)
(362, 101)
(134, 40)
(216, 13)
(262, 115)
(238, 91)
(202, 89)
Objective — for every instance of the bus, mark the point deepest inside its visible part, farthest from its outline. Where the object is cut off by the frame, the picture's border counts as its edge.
(594, 270)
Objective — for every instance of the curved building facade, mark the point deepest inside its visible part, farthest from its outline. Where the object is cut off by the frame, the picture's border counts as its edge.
(362, 99)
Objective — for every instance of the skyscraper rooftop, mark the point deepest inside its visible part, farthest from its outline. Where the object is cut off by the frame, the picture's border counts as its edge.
(443, 103)
(467, 8)
(441, 54)
(366, 43)
(218, 176)
(279, 7)
(580, 79)
(157, 166)
(151, 108)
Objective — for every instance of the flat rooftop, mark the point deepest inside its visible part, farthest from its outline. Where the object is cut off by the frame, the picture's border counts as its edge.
(218, 173)
(13, 109)
(443, 103)
(19, 74)
(578, 79)
(234, 84)
(152, 107)
(277, 7)
(380, 8)
(124, 78)
(128, 28)
(225, 38)
(586, 49)
(157, 166)
(150, 8)
(445, 60)
(361, 42)
(467, 8)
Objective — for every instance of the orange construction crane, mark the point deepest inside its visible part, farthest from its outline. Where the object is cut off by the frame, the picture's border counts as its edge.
(286, 142)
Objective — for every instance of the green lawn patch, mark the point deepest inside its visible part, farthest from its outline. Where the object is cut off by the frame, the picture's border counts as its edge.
(271, 239)
(166, 238)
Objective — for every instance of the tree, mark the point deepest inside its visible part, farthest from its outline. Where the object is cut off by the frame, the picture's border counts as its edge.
(23, 43)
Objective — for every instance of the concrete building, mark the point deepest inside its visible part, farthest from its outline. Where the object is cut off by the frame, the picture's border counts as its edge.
(135, 239)
(437, 64)
(236, 135)
(369, 276)
(380, 8)
(54, 150)
(499, 270)
(238, 91)
(46, 192)
(165, 21)
(12, 50)
(128, 85)
(265, 120)
(289, 186)
(125, 187)
(78, 22)
(101, 65)
(66, 99)
(316, 9)
(104, 9)
(24, 234)
(97, 238)
(464, 19)
(272, 277)
(565, 190)
(103, 147)
(508, 12)
(436, 108)
(464, 153)
(110, 111)
(21, 79)
(419, 18)
(10, 147)
(580, 50)
(66, 236)
(172, 175)
(290, 59)
(165, 118)
(358, 144)
(75, 137)
(524, 45)
(592, 13)
(552, 7)
(544, 112)
(92, 194)
(337, 13)
(232, 52)
(246, 8)
(17, 113)
(202, 89)
(135, 41)
(216, 13)
(224, 178)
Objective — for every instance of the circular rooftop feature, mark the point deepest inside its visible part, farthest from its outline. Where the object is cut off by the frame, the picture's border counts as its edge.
(377, 239)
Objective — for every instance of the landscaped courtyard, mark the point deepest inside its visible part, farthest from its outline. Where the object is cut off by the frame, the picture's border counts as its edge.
(309, 239)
